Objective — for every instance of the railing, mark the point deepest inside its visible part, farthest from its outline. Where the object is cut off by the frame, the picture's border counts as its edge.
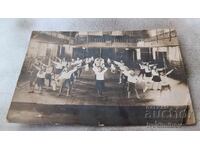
(162, 36)
(104, 39)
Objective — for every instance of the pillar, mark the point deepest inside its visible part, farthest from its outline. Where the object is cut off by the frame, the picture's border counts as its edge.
(138, 53)
(154, 53)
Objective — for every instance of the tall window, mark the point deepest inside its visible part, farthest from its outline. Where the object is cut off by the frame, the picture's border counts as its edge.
(146, 54)
(161, 59)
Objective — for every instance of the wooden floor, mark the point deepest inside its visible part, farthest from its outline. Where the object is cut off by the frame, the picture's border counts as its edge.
(84, 93)
(85, 107)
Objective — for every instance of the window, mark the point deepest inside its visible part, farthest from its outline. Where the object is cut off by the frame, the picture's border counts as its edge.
(146, 54)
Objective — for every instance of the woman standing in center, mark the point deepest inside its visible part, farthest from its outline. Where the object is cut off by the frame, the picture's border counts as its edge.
(99, 72)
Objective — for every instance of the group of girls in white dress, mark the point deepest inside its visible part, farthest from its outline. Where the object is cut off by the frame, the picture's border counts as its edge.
(60, 74)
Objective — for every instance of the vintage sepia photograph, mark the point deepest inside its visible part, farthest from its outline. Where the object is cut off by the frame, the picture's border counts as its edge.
(103, 78)
(83, 69)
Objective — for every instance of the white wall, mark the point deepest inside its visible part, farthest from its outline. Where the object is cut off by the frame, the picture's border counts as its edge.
(68, 50)
(39, 49)
(174, 54)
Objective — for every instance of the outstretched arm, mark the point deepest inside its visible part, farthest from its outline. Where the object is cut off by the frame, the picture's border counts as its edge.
(58, 59)
(117, 63)
(45, 65)
(126, 73)
(73, 70)
(54, 62)
(38, 68)
(169, 72)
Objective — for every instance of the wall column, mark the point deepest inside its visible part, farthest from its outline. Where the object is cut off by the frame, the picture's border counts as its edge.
(138, 53)
(154, 53)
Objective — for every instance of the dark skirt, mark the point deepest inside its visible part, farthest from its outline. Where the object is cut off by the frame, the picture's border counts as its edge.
(131, 87)
(72, 78)
(31, 83)
(58, 71)
(142, 71)
(32, 80)
(48, 76)
(156, 79)
(76, 73)
(100, 84)
(124, 78)
(148, 74)
(67, 83)
(79, 71)
(40, 82)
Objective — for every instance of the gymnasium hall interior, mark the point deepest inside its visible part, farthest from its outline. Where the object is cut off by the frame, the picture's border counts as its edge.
(159, 47)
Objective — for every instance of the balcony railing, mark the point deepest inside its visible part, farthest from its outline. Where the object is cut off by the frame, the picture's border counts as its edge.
(104, 39)
(122, 39)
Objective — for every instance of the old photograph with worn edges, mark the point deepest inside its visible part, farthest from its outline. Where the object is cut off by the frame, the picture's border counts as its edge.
(104, 78)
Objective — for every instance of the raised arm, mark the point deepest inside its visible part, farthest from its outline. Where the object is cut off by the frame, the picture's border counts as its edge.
(105, 69)
(94, 69)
